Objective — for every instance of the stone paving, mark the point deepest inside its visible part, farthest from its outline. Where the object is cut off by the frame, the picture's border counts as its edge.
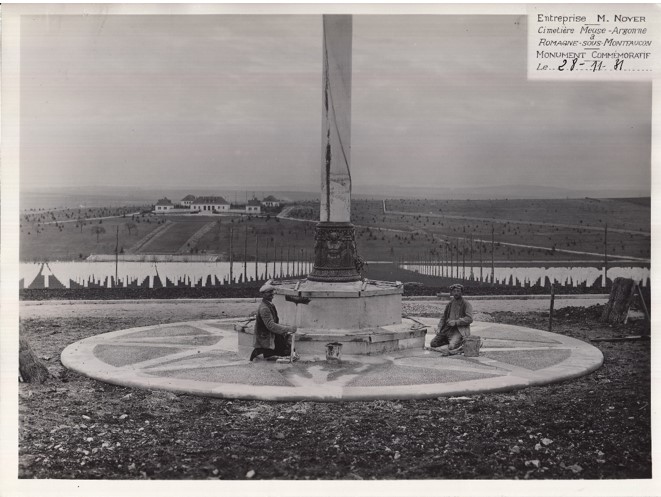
(202, 358)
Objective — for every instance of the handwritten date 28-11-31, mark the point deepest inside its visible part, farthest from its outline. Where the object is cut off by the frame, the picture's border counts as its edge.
(575, 65)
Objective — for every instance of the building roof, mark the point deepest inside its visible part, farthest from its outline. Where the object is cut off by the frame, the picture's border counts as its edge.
(210, 200)
(270, 198)
(254, 201)
(164, 201)
(187, 198)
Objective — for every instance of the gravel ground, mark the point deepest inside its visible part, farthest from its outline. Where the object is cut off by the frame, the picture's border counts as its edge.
(593, 427)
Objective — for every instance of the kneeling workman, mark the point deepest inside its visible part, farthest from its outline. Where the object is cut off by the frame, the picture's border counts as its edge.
(455, 322)
(271, 339)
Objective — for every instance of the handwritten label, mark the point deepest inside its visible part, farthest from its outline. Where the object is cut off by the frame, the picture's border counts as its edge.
(594, 42)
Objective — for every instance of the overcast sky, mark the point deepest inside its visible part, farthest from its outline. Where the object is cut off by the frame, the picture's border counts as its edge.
(235, 101)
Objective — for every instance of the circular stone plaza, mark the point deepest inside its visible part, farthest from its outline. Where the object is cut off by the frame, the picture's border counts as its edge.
(205, 358)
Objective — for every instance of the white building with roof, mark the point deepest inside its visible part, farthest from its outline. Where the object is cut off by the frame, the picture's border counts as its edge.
(271, 201)
(210, 204)
(163, 205)
(254, 206)
(188, 200)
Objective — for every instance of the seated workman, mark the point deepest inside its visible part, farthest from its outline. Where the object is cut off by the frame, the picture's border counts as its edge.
(455, 322)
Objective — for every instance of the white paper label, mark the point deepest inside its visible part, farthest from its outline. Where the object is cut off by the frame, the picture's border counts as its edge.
(594, 42)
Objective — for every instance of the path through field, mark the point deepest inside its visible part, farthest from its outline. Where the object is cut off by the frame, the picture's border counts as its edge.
(140, 244)
(511, 221)
(285, 215)
(89, 218)
(536, 247)
(191, 243)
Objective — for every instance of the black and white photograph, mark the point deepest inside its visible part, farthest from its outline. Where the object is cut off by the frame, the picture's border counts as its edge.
(369, 247)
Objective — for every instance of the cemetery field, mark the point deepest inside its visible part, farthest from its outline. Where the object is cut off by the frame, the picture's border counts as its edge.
(43, 237)
(594, 427)
(522, 230)
(623, 213)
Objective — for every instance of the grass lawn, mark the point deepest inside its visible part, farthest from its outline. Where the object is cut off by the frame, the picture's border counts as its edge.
(618, 213)
(66, 241)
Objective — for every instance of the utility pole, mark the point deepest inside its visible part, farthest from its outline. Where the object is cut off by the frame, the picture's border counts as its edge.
(116, 255)
(432, 266)
(275, 256)
(308, 259)
(288, 271)
(432, 262)
(481, 247)
(551, 306)
(231, 255)
(428, 262)
(493, 280)
(450, 269)
(463, 258)
(472, 276)
(266, 260)
(245, 255)
(605, 255)
(256, 256)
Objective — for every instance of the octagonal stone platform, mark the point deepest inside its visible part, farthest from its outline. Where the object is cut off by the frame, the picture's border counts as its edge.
(364, 316)
(311, 343)
(348, 306)
(203, 358)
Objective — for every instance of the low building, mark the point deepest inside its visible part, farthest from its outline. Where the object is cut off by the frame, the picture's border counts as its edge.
(210, 204)
(188, 200)
(254, 206)
(270, 201)
(163, 205)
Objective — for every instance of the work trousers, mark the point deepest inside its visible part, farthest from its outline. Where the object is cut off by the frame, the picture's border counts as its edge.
(450, 337)
(282, 348)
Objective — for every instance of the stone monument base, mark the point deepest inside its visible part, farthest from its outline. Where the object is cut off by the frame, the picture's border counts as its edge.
(311, 344)
(364, 316)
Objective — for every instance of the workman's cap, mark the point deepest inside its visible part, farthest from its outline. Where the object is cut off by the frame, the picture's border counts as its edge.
(457, 285)
(267, 287)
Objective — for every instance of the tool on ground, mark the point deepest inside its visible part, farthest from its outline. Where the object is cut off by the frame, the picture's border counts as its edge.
(296, 300)
(333, 351)
(244, 324)
(472, 346)
(292, 353)
(420, 323)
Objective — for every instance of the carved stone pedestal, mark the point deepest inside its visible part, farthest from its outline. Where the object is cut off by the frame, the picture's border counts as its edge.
(334, 253)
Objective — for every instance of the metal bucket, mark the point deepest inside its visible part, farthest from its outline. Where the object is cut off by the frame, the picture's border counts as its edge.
(472, 346)
(333, 351)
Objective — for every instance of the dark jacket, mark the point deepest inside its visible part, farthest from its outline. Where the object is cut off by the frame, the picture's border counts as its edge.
(266, 324)
(463, 325)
